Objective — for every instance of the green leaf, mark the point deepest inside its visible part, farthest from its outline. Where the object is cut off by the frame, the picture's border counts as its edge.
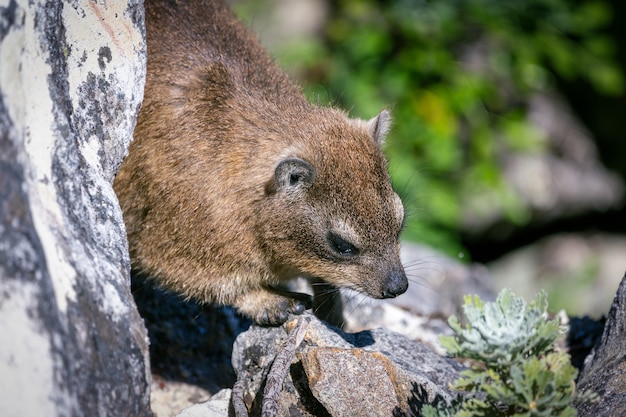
(518, 370)
(503, 332)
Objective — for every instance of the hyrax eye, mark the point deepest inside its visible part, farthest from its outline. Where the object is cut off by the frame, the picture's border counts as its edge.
(341, 246)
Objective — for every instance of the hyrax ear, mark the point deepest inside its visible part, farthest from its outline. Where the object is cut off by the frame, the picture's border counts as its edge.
(379, 127)
(292, 174)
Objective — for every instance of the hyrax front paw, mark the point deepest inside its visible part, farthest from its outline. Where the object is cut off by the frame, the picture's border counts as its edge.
(270, 309)
(278, 313)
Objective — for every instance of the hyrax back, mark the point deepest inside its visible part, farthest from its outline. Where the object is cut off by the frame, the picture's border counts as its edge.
(235, 183)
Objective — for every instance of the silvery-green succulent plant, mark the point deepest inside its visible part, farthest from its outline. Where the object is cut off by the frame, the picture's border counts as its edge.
(503, 331)
(517, 369)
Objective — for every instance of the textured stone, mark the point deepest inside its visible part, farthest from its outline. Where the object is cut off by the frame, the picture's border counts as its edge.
(71, 81)
(335, 372)
(350, 381)
(604, 371)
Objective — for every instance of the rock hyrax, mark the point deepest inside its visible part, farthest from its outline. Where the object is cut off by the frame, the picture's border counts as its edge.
(234, 183)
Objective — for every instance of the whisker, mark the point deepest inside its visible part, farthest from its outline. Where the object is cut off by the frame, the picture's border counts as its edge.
(350, 307)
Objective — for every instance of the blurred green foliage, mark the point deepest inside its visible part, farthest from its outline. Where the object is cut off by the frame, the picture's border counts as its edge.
(458, 76)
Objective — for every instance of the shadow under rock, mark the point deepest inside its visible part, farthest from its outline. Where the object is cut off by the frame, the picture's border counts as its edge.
(583, 334)
(189, 342)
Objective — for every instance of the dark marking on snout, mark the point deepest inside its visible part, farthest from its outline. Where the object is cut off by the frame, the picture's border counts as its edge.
(396, 284)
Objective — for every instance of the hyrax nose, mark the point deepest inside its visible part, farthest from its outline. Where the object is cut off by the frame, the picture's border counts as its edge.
(396, 284)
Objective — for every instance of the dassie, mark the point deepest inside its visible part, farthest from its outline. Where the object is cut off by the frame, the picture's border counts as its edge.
(234, 183)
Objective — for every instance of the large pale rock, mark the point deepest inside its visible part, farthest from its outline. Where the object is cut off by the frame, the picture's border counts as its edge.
(604, 370)
(375, 372)
(71, 81)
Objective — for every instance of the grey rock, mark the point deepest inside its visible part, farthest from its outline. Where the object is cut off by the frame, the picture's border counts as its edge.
(217, 406)
(375, 372)
(71, 81)
(604, 371)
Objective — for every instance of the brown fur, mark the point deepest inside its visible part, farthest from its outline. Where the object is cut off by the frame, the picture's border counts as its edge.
(212, 209)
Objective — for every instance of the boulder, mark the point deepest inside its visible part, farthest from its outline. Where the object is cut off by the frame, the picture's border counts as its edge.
(604, 370)
(375, 372)
(71, 82)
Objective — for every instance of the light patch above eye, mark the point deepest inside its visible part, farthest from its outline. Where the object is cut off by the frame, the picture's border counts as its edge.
(398, 208)
(347, 232)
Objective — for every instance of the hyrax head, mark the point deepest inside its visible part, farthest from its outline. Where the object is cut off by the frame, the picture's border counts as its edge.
(335, 214)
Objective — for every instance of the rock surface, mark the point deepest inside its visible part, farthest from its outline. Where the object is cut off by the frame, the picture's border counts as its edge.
(71, 81)
(604, 370)
(375, 372)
